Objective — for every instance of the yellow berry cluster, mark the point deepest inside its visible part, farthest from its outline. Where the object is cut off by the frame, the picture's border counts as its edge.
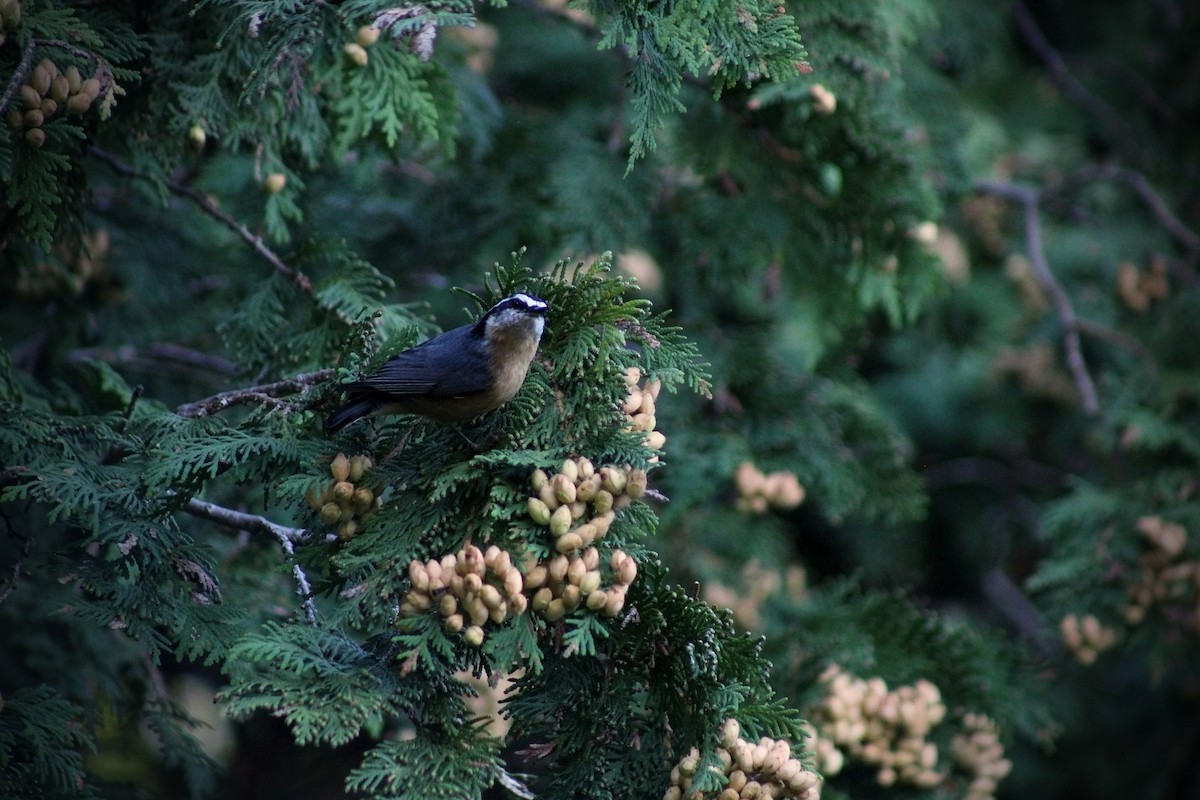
(469, 589)
(581, 490)
(342, 501)
(758, 492)
(565, 583)
(1164, 578)
(10, 17)
(44, 93)
(639, 407)
(882, 728)
(1138, 288)
(356, 51)
(762, 769)
(979, 753)
(757, 584)
(1085, 637)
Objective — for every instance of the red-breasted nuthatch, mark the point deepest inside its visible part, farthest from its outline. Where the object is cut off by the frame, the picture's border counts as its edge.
(456, 375)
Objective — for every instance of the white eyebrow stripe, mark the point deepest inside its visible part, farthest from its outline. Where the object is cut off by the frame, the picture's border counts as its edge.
(530, 302)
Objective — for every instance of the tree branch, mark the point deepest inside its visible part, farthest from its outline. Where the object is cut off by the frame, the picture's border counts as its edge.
(158, 355)
(209, 207)
(251, 522)
(1158, 207)
(1029, 199)
(1062, 76)
(264, 394)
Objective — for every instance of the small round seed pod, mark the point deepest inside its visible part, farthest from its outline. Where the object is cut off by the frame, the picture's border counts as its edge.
(596, 600)
(477, 612)
(587, 488)
(560, 521)
(330, 513)
(615, 602)
(518, 604)
(586, 533)
(591, 558)
(539, 512)
(564, 488)
(555, 610)
(541, 598)
(366, 36)
(635, 485)
(343, 491)
(499, 613)
(590, 582)
(34, 118)
(538, 478)
(35, 138)
(603, 501)
(274, 183)
(473, 635)
(339, 467)
(40, 77)
(490, 596)
(576, 569)
(48, 107)
(356, 53)
(420, 601)
(558, 568)
(568, 543)
(536, 577)
(453, 623)
(578, 509)
(570, 469)
(447, 605)
(78, 104)
(74, 79)
(418, 576)
(30, 96)
(472, 583)
(359, 465)
(546, 495)
(731, 732)
(362, 500)
(586, 468)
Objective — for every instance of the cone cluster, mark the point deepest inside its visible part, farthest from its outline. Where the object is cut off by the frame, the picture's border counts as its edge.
(639, 408)
(979, 753)
(46, 93)
(344, 501)
(580, 502)
(762, 769)
(758, 492)
(1165, 579)
(757, 583)
(71, 273)
(10, 17)
(1086, 637)
(468, 589)
(356, 51)
(1139, 288)
(564, 583)
(883, 728)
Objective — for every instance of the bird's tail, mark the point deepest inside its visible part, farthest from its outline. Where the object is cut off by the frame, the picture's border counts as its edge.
(355, 409)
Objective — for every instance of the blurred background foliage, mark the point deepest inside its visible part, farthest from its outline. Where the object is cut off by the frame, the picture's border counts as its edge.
(944, 276)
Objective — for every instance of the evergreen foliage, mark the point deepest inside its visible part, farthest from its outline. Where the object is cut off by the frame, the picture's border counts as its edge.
(919, 279)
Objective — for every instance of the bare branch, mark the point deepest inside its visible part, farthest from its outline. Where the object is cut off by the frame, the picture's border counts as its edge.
(1029, 199)
(266, 394)
(213, 210)
(1153, 200)
(1024, 616)
(155, 355)
(1062, 75)
(251, 522)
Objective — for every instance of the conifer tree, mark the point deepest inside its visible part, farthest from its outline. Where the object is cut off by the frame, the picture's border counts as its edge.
(917, 279)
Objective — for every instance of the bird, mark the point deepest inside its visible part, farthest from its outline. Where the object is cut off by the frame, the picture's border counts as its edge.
(456, 375)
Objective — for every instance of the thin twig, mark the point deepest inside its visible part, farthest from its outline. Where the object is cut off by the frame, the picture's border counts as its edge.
(1067, 81)
(1152, 199)
(19, 565)
(212, 209)
(1024, 616)
(252, 522)
(1029, 199)
(264, 394)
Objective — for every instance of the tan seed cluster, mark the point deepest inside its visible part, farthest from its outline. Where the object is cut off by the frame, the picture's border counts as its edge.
(1139, 288)
(979, 753)
(45, 93)
(564, 583)
(356, 51)
(824, 101)
(1165, 579)
(580, 502)
(10, 17)
(884, 728)
(1086, 637)
(763, 769)
(757, 584)
(343, 501)
(639, 407)
(74, 271)
(758, 492)
(469, 589)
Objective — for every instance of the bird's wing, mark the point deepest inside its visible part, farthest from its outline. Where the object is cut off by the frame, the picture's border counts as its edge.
(451, 365)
